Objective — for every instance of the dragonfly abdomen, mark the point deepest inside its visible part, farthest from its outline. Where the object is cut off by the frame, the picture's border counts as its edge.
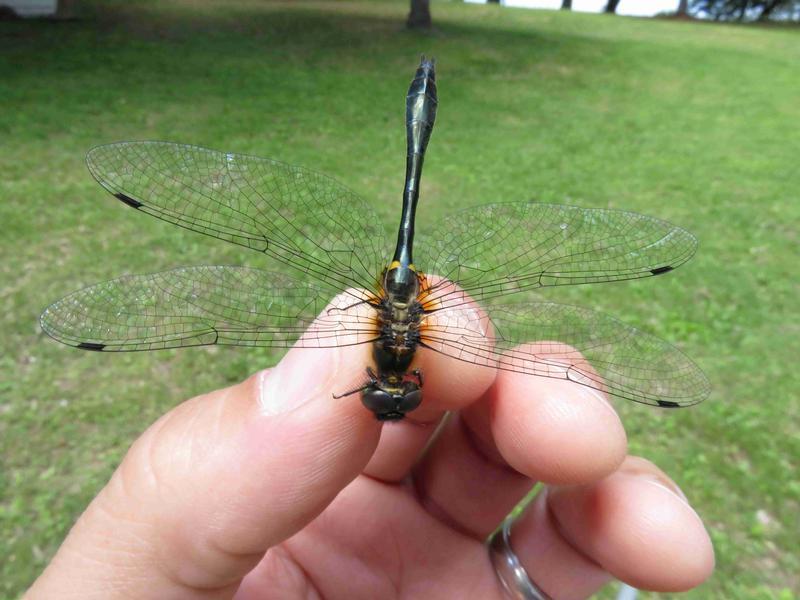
(421, 102)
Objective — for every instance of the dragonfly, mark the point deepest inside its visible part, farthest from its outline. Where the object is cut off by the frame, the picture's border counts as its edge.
(449, 293)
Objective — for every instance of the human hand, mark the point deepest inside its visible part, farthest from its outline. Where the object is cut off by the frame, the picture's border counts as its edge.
(272, 489)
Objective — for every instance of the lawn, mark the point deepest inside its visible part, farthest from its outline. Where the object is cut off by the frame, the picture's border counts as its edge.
(691, 122)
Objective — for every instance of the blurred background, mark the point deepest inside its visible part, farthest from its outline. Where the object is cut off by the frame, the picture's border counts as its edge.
(689, 115)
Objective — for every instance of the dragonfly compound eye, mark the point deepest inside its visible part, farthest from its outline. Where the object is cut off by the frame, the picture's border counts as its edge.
(391, 407)
(382, 403)
(411, 400)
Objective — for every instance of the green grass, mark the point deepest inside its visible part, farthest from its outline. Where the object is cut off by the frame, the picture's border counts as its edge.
(694, 123)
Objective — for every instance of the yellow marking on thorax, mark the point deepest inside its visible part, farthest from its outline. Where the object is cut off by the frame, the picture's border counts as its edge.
(396, 264)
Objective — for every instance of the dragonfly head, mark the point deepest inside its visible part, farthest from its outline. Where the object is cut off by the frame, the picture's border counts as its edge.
(391, 403)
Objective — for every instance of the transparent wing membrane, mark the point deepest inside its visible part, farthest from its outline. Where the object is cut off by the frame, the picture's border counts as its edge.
(500, 249)
(327, 233)
(305, 219)
(579, 345)
(197, 306)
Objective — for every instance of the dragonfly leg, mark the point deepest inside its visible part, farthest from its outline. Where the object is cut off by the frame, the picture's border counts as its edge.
(373, 380)
(360, 388)
(373, 304)
(418, 374)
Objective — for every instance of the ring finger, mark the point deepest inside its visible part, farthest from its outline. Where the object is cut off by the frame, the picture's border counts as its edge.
(634, 525)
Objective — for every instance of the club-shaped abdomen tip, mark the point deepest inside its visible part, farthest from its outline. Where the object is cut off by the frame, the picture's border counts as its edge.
(427, 64)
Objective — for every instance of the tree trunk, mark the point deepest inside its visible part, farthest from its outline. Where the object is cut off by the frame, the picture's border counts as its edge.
(768, 8)
(566, 4)
(683, 8)
(611, 7)
(65, 9)
(742, 11)
(420, 15)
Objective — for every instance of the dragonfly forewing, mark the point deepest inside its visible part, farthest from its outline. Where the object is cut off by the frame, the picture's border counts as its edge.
(500, 249)
(304, 219)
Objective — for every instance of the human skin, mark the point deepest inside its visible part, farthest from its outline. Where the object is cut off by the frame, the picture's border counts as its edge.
(273, 489)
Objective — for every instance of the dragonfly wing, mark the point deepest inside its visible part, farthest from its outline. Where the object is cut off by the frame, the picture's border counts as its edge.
(302, 218)
(580, 345)
(499, 249)
(197, 306)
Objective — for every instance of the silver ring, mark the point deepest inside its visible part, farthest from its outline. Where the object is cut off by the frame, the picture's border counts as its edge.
(510, 571)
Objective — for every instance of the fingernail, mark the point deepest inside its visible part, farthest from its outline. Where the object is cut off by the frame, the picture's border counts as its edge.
(590, 392)
(302, 375)
(644, 469)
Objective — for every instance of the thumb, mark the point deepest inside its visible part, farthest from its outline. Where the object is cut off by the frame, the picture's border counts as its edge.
(213, 484)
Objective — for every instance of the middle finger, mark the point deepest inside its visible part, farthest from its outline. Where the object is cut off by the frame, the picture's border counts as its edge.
(523, 429)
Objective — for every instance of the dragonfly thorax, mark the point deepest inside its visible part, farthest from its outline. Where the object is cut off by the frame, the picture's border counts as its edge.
(399, 318)
(394, 390)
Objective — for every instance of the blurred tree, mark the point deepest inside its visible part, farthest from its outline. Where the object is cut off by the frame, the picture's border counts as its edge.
(751, 10)
(768, 8)
(566, 4)
(420, 15)
(611, 6)
(683, 8)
